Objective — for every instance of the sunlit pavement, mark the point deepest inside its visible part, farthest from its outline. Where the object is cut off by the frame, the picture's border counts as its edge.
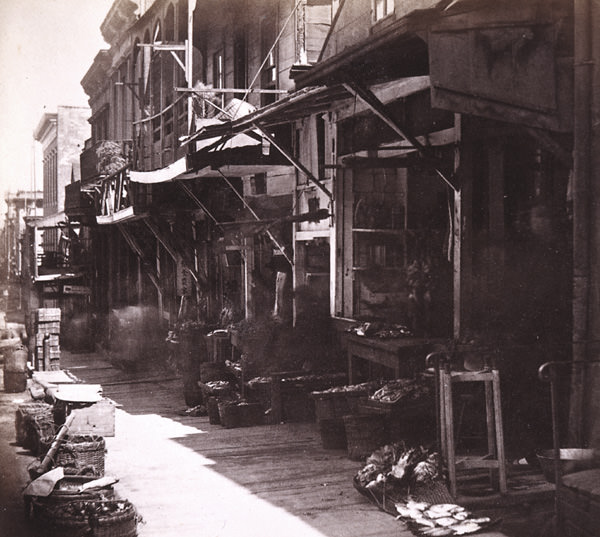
(190, 498)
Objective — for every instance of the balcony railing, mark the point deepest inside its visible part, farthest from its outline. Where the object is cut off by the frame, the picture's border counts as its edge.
(104, 158)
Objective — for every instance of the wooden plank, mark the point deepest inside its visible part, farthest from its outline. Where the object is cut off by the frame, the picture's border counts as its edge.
(97, 419)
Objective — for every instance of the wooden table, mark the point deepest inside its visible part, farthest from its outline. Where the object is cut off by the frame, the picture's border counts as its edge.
(405, 356)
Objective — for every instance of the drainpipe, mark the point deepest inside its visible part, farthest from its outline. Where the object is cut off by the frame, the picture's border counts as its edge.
(583, 69)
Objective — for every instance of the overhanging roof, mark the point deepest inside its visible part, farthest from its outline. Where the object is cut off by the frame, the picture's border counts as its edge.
(44, 278)
(300, 104)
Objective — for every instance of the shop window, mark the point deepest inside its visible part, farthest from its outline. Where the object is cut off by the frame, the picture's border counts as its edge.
(395, 267)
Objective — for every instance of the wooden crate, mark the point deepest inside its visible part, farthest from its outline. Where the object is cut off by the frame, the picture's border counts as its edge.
(579, 504)
(48, 327)
(47, 314)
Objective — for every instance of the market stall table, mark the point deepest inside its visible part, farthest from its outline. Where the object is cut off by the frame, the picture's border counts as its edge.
(405, 356)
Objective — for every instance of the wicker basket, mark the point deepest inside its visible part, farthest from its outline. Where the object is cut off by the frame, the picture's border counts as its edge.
(26, 416)
(229, 414)
(250, 414)
(89, 518)
(333, 433)
(364, 434)
(65, 491)
(82, 455)
(122, 523)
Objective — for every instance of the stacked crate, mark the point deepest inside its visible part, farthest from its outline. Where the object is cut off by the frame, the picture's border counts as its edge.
(47, 339)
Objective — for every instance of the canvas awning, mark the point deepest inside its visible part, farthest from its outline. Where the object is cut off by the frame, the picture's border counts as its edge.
(300, 104)
(50, 221)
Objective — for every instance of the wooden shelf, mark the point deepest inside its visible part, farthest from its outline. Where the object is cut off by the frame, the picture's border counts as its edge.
(380, 231)
(377, 267)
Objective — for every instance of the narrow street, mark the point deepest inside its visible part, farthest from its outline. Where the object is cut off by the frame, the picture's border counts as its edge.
(187, 476)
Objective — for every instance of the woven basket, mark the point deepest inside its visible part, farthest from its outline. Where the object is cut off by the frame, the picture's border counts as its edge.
(82, 455)
(122, 523)
(25, 418)
(364, 434)
(354, 399)
(250, 414)
(65, 491)
(330, 405)
(333, 434)
(89, 518)
(229, 414)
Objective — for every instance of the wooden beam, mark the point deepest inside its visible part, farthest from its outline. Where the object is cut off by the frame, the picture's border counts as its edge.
(379, 109)
(294, 162)
(130, 240)
(232, 90)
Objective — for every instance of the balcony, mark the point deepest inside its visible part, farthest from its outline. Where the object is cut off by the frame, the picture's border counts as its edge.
(104, 158)
(78, 203)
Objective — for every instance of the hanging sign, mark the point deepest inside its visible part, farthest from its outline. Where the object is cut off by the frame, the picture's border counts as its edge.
(184, 281)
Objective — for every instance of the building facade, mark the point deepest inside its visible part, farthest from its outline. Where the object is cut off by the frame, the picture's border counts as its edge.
(349, 150)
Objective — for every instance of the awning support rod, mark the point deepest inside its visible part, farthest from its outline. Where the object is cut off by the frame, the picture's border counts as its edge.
(271, 236)
(195, 199)
(201, 92)
(295, 162)
(135, 247)
(178, 258)
(379, 109)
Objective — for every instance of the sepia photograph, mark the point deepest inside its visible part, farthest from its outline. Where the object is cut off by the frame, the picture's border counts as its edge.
(313, 268)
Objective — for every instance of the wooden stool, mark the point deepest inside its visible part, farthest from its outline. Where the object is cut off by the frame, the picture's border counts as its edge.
(495, 458)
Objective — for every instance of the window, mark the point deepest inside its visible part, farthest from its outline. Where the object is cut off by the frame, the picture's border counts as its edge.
(382, 8)
(170, 24)
(268, 33)
(182, 15)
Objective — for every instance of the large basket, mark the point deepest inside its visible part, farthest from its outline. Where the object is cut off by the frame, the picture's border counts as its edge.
(364, 434)
(82, 455)
(330, 405)
(33, 421)
(121, 523)
(65, 491)
(250, 414)
(89, 518)
(229, 414)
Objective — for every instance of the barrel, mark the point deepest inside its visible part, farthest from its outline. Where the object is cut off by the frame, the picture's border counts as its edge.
(15, 369)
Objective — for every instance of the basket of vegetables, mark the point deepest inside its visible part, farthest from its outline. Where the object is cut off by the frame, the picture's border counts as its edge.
(67, 490)
(89, 518)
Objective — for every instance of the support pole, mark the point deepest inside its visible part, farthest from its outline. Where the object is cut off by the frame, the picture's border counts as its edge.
(189, 56)
(583, 114)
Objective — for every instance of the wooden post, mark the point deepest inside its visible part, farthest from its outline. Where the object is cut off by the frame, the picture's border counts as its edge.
(461, 239)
